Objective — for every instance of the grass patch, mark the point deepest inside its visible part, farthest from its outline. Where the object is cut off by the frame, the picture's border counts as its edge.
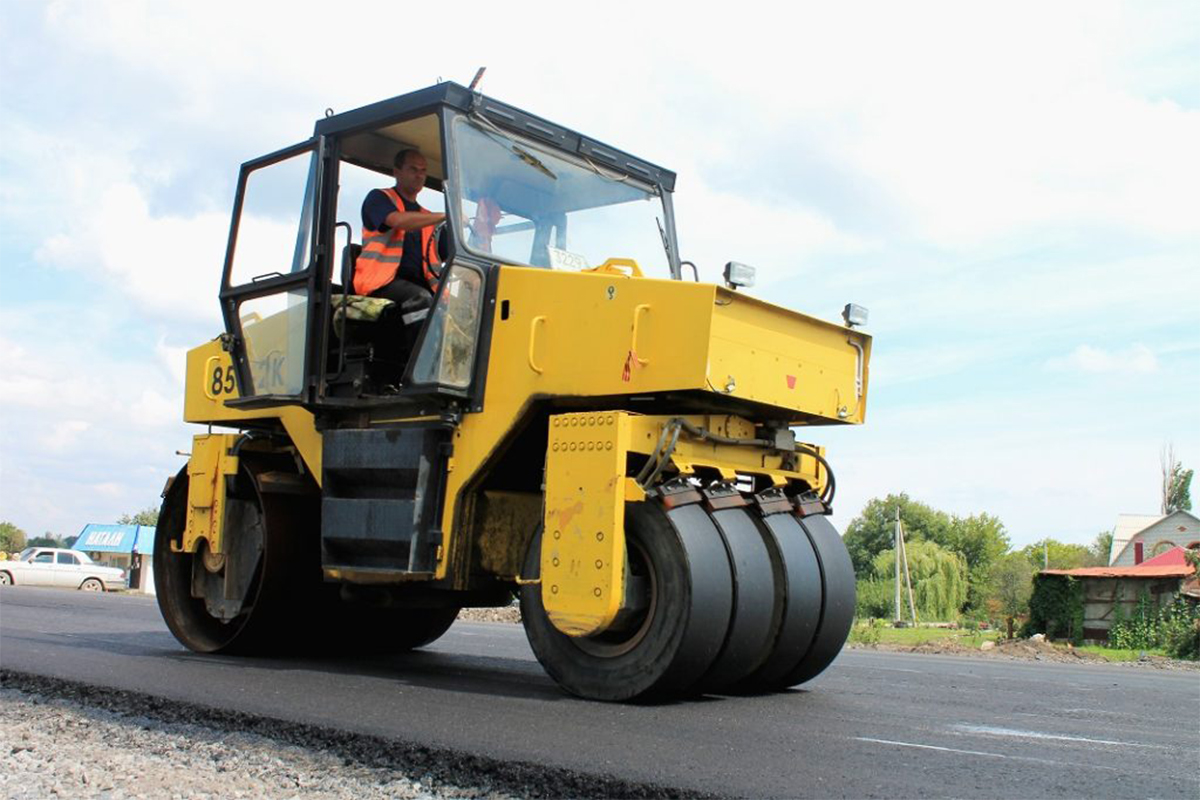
(1115, 654)
(877, 632)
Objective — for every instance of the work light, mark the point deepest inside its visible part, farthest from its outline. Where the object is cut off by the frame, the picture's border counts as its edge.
(854, 315)
(737, 274)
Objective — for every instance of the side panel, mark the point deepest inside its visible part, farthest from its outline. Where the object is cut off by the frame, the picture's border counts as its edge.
(770, 355)
(583, 544)
(210, 382)
(208, 468)
(578, 334)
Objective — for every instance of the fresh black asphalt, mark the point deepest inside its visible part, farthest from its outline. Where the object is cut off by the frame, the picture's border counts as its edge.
(876, 724)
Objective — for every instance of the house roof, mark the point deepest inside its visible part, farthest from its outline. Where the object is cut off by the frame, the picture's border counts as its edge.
(1173, 558)
(1130, 525)
(1125, 572)
(1170, 564)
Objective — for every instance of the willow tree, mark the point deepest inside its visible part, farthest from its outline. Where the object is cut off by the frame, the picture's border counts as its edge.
(939, 579)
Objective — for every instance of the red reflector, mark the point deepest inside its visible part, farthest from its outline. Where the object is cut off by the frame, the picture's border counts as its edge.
(791, 379)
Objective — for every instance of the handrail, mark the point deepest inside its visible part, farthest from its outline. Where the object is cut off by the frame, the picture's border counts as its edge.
(533, 326)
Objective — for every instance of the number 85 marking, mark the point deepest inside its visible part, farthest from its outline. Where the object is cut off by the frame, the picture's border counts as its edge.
(221, 381)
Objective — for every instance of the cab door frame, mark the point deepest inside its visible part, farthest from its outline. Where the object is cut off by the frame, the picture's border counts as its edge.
(307, 279)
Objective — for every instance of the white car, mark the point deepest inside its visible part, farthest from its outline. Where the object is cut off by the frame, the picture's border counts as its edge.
(52, 566)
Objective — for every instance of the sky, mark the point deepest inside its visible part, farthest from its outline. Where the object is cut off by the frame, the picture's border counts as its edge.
(1010, 189)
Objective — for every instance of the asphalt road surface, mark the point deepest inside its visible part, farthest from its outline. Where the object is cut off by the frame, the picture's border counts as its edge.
(875, 724)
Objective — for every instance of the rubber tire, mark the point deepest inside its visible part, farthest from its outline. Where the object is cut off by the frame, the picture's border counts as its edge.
(837, 600)
(92, 585)
(757, 607)
(287, 582)
(5, 579)
(799, 586)
(684, 631)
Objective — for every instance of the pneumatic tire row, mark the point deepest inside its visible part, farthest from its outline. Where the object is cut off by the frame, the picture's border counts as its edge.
(733, 602)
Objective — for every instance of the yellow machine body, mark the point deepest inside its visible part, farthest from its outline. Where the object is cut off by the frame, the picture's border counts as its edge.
(600, 335)
(612, 335)
(211, 463)
(617, 448)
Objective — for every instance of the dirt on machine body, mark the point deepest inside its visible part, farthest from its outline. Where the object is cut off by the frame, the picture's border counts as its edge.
(574, 421)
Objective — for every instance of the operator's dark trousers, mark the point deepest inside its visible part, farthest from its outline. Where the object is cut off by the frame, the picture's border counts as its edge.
(409, 298)
(407, 295)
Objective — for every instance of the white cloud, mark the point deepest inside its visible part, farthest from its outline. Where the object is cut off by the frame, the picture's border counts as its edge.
(108, 489)
(85, 436)
(173, 358)
(1085, 358)
(777, 238)
(64, 435)
(153, 409)
(169, 265)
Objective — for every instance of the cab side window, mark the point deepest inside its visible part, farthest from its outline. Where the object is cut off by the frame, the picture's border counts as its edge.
(67, 558)
(44, 558)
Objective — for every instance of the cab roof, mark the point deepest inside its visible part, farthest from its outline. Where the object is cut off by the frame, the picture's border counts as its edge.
(362, 122)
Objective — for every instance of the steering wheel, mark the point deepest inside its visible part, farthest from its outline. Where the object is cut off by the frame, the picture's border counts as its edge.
(435, 240)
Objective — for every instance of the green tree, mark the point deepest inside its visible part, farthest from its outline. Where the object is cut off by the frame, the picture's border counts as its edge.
(1009, 588)
(1100, 549)
(12, 538)
(939, 579)
(147, 516)
(874, 598)
(1179, 493)
(47, 539)
(1061, 555)
(981, 540)
(873, 531)
(1176, 482)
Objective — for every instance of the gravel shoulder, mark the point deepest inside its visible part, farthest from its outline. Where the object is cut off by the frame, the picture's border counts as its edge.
(55, 748)
(67, 739)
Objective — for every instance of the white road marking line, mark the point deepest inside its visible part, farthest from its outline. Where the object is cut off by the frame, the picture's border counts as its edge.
(952, 750)
(988, 730)
(984, 753)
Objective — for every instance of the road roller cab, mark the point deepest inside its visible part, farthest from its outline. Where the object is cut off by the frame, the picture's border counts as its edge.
(572, 421)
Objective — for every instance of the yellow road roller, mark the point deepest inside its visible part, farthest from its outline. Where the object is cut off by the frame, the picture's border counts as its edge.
(573, 418)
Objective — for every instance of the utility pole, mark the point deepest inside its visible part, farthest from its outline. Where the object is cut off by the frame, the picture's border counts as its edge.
(897, 552)
(912, 606)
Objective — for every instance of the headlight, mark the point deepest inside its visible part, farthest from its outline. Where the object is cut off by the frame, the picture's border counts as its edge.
(738, 274)
(854, 315)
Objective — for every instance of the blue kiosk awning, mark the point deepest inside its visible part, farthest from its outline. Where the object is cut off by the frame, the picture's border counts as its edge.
(98, 538)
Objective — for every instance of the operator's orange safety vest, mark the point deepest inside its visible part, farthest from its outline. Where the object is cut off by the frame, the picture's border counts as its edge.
(383, 250)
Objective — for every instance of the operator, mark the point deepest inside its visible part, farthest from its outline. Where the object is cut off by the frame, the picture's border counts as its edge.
(397, 260)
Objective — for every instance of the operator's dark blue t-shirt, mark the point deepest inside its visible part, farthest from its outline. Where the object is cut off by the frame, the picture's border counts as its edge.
(374, 211)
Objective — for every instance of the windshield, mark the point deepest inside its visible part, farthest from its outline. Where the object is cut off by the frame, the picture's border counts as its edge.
(525, 204)
(26, 553)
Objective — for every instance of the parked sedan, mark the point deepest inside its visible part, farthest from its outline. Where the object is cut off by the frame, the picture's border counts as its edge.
(52, 566)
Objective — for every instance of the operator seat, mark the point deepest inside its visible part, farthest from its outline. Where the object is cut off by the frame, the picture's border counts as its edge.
(373, 336)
